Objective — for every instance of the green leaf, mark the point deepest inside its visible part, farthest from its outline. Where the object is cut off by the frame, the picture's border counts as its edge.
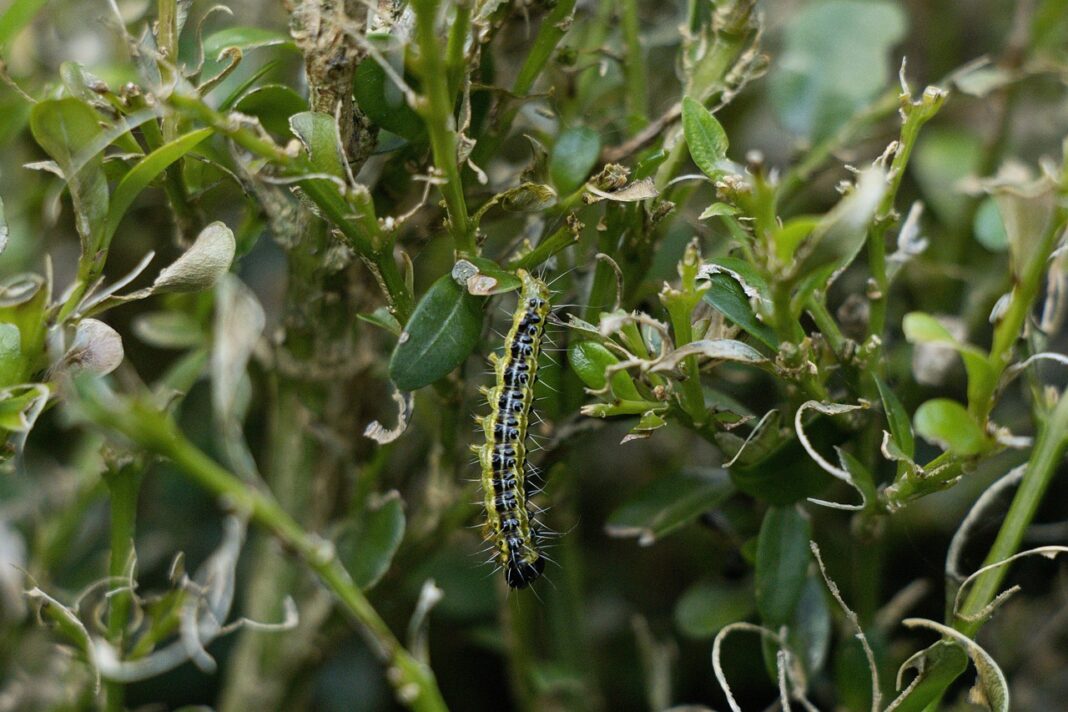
(897, 418)
(17, 15)
(12, 365)
(937, 667)
(809, 633)
(948, 424)
(835, 60)
(573, 157)
(669, 503)
(319, 134)
(837, 238)
(589, 359)
(704, 137)
(781, 564)
(382, 318)
(23, 303)
(273, 105)
(371, 538)
(792, 233)
(728, 295)
(442, 332)
(68, 129)
(384, 103)
(146, 170)
(245, 39)
(706, 608)
(922, 328)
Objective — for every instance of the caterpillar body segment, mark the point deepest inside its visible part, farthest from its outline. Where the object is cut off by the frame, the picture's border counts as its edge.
(510, 524)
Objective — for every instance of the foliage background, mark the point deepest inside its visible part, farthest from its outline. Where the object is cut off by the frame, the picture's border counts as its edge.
(618, 625)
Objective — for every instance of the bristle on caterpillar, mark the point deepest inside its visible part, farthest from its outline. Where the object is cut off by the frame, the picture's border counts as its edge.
(510, 525)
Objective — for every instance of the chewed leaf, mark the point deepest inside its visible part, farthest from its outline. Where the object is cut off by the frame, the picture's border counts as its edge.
(1049, 552)
(976, 515)
(484, 277)
(991, 689)
(840, 473)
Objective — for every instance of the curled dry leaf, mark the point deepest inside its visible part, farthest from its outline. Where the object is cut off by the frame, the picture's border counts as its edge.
(202, 264)
(405, 406)
(636, 191)
(717, 349)
(239, 321)
(97, 349)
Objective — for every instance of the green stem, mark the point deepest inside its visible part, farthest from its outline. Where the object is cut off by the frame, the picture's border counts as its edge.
(559, 240)
(916, 115)
(1010, 327)
(708, 77)
(825, 322)
(1048, 452)
(437, 111)
(454, 53)
(413, 681)
(124, 485)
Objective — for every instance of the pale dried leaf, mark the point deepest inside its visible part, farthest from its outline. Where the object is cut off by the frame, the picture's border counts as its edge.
(202, 264)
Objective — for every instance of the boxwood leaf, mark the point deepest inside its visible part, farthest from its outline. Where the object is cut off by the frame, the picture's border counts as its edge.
(146, 170)
(319, 134)
(898, 419)
(384, 104)
(948, 424)
(573, 157)
(589, 359)
(245, 39)
(781, 564)
(705, 138)
(669, 503)
(729, 297)
(67, 129)
(273, 105)
(371, 539)
(442, 332)
(836, 58)
(705, 608)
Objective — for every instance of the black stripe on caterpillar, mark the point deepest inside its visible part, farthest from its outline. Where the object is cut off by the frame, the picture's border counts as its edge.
(510, 524)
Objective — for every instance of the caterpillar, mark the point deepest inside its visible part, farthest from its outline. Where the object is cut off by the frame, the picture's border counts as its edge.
(510, 526)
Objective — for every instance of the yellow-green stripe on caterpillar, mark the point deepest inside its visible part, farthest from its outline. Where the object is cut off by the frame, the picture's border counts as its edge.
(510, 525)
